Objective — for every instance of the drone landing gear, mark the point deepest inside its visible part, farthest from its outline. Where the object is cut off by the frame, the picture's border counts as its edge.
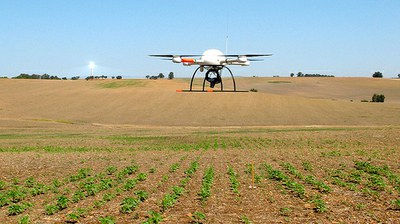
(213, 76)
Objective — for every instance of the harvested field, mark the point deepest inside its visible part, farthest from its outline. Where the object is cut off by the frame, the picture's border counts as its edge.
(72, 160)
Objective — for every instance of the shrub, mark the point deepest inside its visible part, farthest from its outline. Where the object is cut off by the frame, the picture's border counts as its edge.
(377, 75)
(379, 98)
(253, 90)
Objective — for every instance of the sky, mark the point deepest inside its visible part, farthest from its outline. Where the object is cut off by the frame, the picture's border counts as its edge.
(335, 37)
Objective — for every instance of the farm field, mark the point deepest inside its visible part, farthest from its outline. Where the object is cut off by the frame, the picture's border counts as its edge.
(135, 151)
(331, 174)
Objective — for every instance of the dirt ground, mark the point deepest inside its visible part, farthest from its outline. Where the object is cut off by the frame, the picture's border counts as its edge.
(50, 153)
(132, 151)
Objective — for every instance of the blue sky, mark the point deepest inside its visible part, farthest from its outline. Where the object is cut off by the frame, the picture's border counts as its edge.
(338, 37)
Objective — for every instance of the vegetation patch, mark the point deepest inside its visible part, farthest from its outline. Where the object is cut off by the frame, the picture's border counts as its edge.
(122, 84)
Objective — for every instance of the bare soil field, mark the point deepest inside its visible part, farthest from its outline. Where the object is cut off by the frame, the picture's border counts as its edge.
(280, 101)
(135, 151)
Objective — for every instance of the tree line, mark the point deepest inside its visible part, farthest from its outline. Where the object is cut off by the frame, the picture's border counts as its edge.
(300, 74)
(160, 76)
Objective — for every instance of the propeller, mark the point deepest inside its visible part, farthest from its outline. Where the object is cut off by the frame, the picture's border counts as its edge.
(171, 55)
(247, 55)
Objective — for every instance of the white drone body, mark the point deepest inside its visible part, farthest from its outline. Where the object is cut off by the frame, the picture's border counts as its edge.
(213, 61)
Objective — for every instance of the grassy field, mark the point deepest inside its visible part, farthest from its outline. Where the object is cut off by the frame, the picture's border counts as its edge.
(96, 152)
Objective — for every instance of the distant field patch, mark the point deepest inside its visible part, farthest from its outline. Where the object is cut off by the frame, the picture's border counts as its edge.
(276, 81)
(121, 84)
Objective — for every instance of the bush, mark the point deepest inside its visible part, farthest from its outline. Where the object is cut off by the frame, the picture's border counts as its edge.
(171, 75)
(119, 77)
(253, 90)
(377, 75)
(379, 98)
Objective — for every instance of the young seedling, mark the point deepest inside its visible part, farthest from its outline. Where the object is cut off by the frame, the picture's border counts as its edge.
(198, 217)
(24, 220)
(107, 220)
(245, 220)
(174, 167)
(154, 218)
(17, 209)
(208, 178)
(233, 177)
(129, 204)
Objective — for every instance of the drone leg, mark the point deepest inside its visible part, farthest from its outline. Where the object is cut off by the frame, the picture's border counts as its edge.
(204, 81)
(233, 79)
(222, 85)
(191, 81)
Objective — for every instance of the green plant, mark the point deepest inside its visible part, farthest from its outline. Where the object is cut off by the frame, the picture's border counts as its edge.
(152, 170)
(62, 202)
(30, 182)
(106, 184)
(174, 167)
(208, 178)
(285, 211)
(395, 204)
(319, 204)
(4, 200)
(244, 219)
(16, 209)
(107, 220)
(73, 217)
(129, 184)
(111, 169)
(82, 173)
(108, 196)
(16, 195)
(307, 166)
(56, 183)
(233, 177)
(141, 177)
(51, 209)
(77, 196)
(128, 205)
(198, 217)
(141, 195)
(154, 218)
(168, 201)
(192, 169)
(178, 191)
(359, 206)
(321, 186)
(2, 184)
(24, 220)
(38, 189)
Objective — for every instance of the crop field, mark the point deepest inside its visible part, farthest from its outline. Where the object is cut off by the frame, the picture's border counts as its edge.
(199, 175)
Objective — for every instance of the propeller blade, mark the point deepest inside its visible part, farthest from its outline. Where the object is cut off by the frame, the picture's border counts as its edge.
(175, 55)
(162, 55)
(255, 59)
(248, 55)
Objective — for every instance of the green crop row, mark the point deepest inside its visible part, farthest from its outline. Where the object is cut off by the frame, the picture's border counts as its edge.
(233, 178)
(277, 175)
(208, 179)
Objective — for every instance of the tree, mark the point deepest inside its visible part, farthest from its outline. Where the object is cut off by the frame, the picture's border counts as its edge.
(377, 75)
(171, 75)
(291, 74)
(147, 76)
(119, 77)
(300, 74)
(161, 76)
(380, 98)
(398, 76)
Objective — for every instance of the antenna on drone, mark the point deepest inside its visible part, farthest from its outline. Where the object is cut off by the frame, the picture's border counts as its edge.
(227, 34)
